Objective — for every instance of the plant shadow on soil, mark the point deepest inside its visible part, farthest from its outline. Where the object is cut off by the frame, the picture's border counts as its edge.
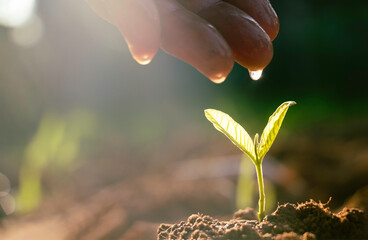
(305, 221)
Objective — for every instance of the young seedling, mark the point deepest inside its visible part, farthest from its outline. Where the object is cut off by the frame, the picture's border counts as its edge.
(256, 149)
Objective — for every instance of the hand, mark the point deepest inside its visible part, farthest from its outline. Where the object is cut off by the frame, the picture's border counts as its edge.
(207, 34)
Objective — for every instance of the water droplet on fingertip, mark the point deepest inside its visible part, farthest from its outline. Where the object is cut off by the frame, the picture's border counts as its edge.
(255, 75)
(218, 78)
(143, 60)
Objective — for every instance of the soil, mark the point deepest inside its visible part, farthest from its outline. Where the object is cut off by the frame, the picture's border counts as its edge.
(305, 221)
(123, 196)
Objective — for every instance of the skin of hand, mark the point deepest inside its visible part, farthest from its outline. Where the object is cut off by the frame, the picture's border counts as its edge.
(207, 34)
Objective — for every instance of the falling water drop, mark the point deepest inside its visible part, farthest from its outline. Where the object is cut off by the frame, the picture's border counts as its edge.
(255, 75)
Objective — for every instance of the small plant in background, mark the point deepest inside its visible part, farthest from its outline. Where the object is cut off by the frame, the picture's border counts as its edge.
(56, 142)
(256, 149)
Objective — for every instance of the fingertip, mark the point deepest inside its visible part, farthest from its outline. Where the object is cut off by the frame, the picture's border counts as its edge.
(192, 39)
(217, 68)
(222, 70)
(250, 44)
(143, 54)
(139, 23)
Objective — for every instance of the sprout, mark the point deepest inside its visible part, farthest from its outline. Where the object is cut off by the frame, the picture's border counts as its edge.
(256, 149)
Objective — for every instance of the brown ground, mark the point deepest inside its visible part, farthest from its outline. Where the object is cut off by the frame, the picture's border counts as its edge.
(306, 221)
(125, 197)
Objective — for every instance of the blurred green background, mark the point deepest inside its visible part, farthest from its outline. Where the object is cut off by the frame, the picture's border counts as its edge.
(70, 93)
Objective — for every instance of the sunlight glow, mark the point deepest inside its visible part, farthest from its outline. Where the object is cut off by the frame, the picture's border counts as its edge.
(14, 13)
(29, 34)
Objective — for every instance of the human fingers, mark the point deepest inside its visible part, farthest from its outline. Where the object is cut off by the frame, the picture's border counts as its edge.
(99, 7)
(193, 40)
(262, 12)
(250, 44)
(139, 23)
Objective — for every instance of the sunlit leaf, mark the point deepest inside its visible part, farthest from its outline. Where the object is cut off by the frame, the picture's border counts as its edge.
(273, 126)
(231, 129)
(256, 141)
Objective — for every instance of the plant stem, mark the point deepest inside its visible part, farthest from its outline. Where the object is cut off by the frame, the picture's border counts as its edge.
(262, 198)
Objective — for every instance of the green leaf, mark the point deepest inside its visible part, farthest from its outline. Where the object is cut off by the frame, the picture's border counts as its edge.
(273, 126)
(256, 141)
(231, 129)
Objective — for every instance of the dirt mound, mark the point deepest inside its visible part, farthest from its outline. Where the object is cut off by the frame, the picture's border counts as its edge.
(306, 221)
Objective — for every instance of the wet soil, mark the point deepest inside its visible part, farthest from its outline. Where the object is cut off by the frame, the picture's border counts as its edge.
(305, 221)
